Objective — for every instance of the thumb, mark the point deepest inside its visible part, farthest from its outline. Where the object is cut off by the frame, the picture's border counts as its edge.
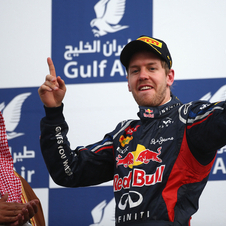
(4, 197)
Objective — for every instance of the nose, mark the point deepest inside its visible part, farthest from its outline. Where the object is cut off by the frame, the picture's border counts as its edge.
(143, 74)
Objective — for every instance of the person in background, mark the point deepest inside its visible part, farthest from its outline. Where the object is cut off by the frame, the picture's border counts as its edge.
(159, 163)
(16, 206)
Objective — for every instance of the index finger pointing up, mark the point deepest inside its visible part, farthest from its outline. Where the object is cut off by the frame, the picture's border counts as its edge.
(51, 67)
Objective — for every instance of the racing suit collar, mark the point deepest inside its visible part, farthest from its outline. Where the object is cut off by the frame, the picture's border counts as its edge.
(146, 113)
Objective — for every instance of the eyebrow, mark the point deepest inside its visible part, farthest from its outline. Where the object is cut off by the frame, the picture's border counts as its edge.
(149, 64)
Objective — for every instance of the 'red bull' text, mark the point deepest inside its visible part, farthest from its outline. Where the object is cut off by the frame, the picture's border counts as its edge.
(138, 178)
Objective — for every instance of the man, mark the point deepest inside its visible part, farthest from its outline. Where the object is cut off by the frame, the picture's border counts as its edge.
(160, 163)
(16, 207)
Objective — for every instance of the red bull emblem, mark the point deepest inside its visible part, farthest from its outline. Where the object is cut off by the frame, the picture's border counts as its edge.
(128, 160)
(142, 155)
(147, 155)
(130, 130)
(148, 113)
(138, 178)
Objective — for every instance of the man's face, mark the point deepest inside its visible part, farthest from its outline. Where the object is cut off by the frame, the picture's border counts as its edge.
(147, 79)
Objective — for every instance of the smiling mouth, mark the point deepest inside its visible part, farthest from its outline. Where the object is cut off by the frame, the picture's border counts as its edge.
(145, 88)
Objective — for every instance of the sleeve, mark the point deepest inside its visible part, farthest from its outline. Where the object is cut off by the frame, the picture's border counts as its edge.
(84, 166)
(206, 129)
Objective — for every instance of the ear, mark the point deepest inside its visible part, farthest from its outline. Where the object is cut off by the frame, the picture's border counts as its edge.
(129, 88)
(170, 77)
(128, 84)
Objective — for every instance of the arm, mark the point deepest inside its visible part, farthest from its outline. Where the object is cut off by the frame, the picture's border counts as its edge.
(206, 128)
(72, 168)
(81, 167)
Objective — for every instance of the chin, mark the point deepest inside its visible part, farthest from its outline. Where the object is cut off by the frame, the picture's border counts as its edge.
(145, 104)
(150, 103)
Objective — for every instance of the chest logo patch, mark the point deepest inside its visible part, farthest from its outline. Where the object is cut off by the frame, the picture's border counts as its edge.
(138, 157)
(124, 140)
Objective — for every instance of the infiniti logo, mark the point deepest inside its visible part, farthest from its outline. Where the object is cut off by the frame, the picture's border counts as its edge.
(133, 199)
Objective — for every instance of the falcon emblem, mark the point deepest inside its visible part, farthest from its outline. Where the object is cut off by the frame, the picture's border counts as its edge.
(12, 113)
(220, 95)
(104, 214)
(108, 15)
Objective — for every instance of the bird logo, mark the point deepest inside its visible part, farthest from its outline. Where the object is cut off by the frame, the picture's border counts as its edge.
(104, 214)
(12, 113)
(108, 15)
(220, 95)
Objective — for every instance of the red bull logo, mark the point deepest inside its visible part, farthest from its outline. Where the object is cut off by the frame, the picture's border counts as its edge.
(142, 155)
(138, 178)
(148, 113)
(150, 41)
(147, 155)
(128, 160)
(130, 130)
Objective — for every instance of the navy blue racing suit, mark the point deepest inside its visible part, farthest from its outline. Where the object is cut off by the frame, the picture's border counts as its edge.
(159, 164)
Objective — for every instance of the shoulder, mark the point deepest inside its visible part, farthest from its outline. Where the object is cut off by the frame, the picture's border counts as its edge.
(125, 124)
(191, 109)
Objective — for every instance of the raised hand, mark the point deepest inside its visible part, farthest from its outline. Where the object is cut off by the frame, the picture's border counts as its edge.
(52, 91)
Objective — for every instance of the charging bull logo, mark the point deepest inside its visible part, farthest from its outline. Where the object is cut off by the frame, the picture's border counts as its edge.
(148, 113)
(128, 160)
(138, 157)
(147, 155)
